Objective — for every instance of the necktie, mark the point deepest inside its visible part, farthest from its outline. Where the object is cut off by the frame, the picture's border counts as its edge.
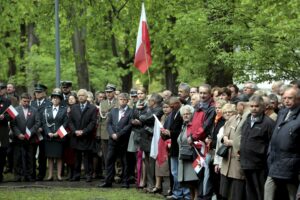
(288, 115)
(54, 112)
(82, 107)
(38, 103)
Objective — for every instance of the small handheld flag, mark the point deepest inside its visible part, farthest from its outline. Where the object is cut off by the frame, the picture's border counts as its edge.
(62, 132)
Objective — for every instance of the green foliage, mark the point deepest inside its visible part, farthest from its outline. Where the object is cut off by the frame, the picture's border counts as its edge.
(256, 40)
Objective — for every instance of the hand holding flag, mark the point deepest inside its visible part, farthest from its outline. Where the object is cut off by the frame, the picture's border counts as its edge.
(27, 134)
(12, 112)
(62, 132)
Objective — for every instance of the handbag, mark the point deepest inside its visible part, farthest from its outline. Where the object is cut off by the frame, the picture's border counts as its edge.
(186, 152)
(223, 151)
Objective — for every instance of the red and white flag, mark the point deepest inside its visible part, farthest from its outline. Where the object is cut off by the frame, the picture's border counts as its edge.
(199, 163)
(27, 134)
(62, 132)
(12, 112)
(142, 59)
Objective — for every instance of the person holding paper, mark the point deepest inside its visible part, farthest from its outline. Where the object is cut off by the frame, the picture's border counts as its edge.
(54, 122)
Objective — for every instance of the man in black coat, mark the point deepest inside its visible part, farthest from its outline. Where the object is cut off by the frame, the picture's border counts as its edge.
(172, 130)
(4, 130)
(284, 150)
(255, 137)
(82, 122)
(40, 103)
(66, 87)
(119, 128)
(147, 120)
(25, 148)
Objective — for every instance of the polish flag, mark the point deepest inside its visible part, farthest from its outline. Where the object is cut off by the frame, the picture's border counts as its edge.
(27, 134)
(12, 112)
(199, 163)
(62, 132)
(155, 139)
(142, 59)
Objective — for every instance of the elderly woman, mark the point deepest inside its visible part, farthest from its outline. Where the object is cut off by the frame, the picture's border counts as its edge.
(232, 184)
(186, 174)
(228, 110)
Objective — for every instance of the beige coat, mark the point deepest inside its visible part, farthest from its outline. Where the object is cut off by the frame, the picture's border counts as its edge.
(104, 109)
(231, 166)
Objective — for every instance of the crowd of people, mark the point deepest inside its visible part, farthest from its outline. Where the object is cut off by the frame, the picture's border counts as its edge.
(224, 141)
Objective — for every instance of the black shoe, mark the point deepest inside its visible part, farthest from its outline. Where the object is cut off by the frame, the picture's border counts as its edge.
(105, 185)
(17, 179)
(39, 178)
(74, 179)
(88, 179)
(29, 179)
(125, 185)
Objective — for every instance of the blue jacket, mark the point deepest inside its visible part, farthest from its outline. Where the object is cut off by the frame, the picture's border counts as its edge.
(284, 151)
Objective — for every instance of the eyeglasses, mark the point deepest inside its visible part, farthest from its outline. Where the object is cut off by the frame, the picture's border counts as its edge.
(140, 93)
(186, 113)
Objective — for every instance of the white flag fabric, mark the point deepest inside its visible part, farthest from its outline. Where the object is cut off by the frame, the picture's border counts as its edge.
(155, 138)
(27, 134)
(12, 112)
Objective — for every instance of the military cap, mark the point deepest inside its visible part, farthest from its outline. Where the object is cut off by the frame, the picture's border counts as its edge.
(110, 88)
(133, 93)
(66, 83)
(56, 93)
(39, 87)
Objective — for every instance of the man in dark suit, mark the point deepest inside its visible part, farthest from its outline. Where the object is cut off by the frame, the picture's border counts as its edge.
(172, 130)
(24, 152)
(4, 130)
(66, 87)
(82, 123)
(40, 103)
(118, 127)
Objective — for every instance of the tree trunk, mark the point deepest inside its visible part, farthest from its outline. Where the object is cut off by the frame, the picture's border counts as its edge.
(218, 76)
(79, 49)
(171, 72)
(32, 39)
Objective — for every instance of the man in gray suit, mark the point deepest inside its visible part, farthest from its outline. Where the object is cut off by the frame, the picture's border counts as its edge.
(24, 128)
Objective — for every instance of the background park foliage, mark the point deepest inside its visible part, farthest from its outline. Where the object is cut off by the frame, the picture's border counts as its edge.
(216, 41)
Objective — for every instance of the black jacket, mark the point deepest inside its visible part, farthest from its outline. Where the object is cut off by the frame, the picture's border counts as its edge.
(51, 125)
(148, 120)
(284, 151)
(85, 121)
(175, 129)
(255, 141)
(4, 130)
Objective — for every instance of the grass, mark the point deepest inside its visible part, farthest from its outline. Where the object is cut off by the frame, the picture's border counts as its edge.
(57, 193)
